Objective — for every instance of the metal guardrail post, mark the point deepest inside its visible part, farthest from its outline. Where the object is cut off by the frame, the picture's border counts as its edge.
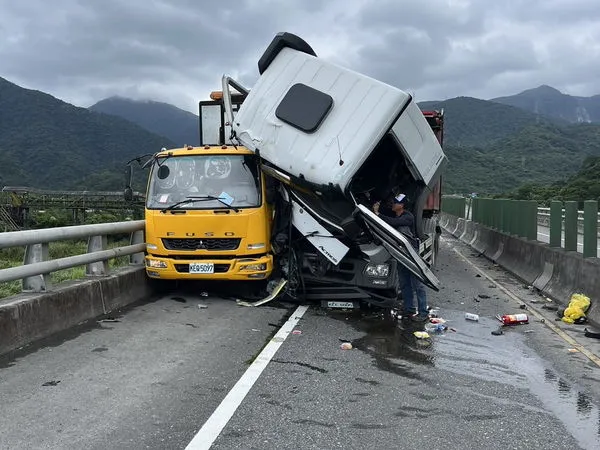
(590, 229)
(530, 217)
(505, 206)
(498, 215)
(555, 224)
(571, 215)
(97, 244)
(485, 209)
(475, 210)
(514, 219)
(36, 253)
(137, 237)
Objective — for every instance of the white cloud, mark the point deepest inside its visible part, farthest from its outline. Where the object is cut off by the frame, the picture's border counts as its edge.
(177, 50)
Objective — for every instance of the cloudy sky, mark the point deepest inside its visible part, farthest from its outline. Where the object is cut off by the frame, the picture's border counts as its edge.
(176, 50)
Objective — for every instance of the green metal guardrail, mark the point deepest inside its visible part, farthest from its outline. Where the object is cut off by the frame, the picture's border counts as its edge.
(520, 218)
(454, 206)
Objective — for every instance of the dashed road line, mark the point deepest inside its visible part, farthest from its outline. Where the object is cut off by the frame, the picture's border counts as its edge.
(212, 428)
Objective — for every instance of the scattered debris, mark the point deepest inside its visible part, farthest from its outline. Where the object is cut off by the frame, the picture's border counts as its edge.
(109, 319)
(513, 319)
(278, 286)
(542, 320)
(191, 325)
(204, 294)
(471, 316)
(550, 307)
(51, 383)
(577, 308)
(202, 306)
(421, 335)
(477, 276)
(483, 296)
(591, 334)
(346, 346)
(296, 332)
(492, 286)
(475, 299)
(256, 330)
(436, 327)
(573, 350)
(435, 320)
(528, 331)
(523, 306)
(498, 332)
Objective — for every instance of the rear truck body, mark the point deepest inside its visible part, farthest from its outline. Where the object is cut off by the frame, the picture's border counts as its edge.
(428, 226)
(335, 141)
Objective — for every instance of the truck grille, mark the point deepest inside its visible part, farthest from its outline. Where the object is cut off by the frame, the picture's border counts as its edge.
(210, 244)
(185, 268)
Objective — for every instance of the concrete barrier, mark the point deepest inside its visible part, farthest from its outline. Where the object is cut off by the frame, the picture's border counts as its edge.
(468, 233)
(25, 318)
(460, 228)
(554, 272)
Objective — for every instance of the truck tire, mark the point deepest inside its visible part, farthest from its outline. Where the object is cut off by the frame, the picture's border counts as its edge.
(279, 42)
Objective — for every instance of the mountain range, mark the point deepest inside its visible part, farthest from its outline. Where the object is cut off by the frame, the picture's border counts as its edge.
(536, 136)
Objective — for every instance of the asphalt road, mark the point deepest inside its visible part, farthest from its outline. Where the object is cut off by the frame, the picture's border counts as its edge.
(152, 378)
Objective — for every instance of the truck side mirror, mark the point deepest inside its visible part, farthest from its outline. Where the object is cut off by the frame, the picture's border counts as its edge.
(128, 192)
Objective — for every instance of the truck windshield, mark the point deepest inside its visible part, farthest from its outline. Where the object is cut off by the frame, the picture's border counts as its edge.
(233, 181)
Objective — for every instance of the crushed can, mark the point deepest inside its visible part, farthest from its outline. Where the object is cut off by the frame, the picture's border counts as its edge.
(471, 316)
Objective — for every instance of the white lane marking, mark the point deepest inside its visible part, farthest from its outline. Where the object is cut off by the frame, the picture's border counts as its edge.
(221, 416)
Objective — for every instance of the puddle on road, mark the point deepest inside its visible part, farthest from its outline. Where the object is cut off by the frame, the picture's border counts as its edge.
(473, 351)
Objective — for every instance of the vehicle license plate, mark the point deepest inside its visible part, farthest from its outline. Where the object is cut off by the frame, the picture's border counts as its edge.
(198, 267)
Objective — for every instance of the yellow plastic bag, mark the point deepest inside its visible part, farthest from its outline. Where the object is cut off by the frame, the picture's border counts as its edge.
(577, 308)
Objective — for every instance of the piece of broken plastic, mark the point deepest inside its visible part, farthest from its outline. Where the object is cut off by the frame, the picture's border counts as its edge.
(346, 346)
(421, 334)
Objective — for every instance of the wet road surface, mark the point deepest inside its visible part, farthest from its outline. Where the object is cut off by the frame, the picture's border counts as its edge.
(152, 379)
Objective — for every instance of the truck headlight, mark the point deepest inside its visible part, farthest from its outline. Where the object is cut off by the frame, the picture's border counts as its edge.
(377, 270)
(256, 267)
(156, 264)
(151, 247)
(256, 246)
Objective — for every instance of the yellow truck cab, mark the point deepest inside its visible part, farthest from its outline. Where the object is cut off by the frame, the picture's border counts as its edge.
(207, 215)
(207, 211)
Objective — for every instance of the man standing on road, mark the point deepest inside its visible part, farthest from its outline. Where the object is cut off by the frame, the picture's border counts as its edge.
(404, 222)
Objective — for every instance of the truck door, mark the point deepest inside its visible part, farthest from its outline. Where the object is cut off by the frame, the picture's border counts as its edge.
(399, 247)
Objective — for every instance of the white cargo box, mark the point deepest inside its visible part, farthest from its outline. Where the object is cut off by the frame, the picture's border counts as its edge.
(320, 122)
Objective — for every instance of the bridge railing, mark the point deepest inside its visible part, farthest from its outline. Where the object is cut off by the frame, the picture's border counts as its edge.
(567, 226)
(37, 267)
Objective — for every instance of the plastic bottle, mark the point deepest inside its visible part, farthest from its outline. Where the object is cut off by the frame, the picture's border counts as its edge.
(436, 327)
(514, 319)
(471, 316)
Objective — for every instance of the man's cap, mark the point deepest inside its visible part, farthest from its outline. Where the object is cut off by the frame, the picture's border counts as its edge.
(401, 198)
